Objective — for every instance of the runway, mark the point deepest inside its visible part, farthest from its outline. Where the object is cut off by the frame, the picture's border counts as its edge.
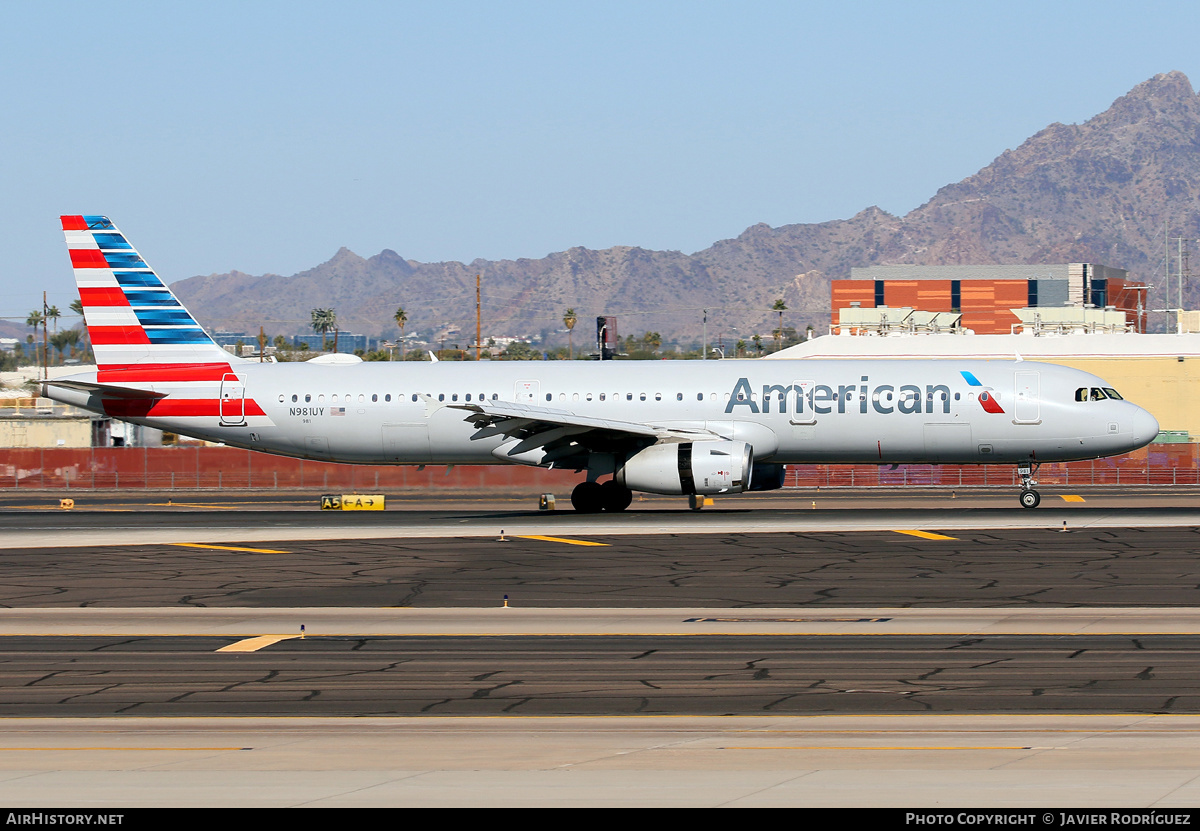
(863, 641)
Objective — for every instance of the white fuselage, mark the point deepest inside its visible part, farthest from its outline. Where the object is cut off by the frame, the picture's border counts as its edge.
(832, 411)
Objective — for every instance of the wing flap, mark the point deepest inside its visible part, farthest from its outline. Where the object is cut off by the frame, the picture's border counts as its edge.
(538, 426)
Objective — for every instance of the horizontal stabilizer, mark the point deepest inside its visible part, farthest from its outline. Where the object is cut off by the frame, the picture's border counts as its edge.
(106, 390)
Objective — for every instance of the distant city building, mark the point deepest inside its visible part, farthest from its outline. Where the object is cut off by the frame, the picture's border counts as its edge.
(984, 297)
(347, 342)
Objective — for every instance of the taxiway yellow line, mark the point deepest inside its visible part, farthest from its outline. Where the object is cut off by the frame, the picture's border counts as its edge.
(227, 548)
(559, 539)
(194, 505)
(255, 644)
(925, 535)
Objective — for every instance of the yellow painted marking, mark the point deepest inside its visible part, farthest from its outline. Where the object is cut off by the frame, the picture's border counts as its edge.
(227, 548)
(255, 644)
(925, 535)
(193, 505)
(1070, 497)
(560, 539)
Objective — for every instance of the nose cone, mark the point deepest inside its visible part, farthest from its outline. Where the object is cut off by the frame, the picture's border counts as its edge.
(1145, 428)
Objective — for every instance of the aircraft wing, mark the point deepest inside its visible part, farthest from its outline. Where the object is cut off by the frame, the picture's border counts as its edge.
(563, 433)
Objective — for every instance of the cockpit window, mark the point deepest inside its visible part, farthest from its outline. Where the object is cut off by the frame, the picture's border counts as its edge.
(1098, 394)
(1081, 394)
(1113, 394)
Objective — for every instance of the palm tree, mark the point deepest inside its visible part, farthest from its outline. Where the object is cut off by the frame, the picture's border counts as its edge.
(569, 320)
(71, 337)
(401, 317)
(757, 344)
(322, 321)
(34, 320)
(778, 333)
(60, 341)
(77, 306)
(54, 314)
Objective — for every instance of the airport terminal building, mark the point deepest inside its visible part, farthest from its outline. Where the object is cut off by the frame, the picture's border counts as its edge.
(985, 295)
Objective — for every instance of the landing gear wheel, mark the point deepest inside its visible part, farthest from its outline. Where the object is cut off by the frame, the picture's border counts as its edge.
(588, 498)
(1030, 498)
(615, 497)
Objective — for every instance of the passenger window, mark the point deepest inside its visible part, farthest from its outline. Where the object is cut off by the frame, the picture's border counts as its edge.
(549, 396)
(387, 397)
(362, 398)
(468, 396)
(658, 396)
(454, 397)
(441, 396)
(628, 396)
(678, 396)
(414, 398)
(307, 398)
(374, 398)
(589, 396)
(601, 396)
(295, 398)
(643, 396)
(281, 398)
(699, 396)
(320, 399)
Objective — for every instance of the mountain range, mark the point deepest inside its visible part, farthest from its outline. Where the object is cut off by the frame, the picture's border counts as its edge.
(1102, 191)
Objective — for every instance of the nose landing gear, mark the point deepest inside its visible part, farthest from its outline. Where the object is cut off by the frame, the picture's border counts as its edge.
(1029, 497)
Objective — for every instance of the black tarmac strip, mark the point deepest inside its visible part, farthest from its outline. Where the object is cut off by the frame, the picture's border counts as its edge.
(587, 675)
(1158, 567)
(559, 676)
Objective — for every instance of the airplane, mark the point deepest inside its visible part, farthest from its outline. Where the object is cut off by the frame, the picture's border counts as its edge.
(669, 427)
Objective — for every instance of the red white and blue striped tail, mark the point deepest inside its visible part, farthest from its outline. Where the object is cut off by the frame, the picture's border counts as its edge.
(137, 325)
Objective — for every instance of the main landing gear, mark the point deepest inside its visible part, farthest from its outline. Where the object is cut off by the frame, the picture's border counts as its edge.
(594, 497)
(1029, 497)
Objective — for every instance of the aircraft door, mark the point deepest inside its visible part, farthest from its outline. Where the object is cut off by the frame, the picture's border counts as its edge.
(801, 402)
(527, 392)
(1027, 408)
(233, 401)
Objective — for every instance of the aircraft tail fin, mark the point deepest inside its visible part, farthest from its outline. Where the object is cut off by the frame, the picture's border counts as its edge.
(136, 324)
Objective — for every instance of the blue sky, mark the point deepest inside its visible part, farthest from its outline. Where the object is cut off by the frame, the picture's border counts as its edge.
(263, 136)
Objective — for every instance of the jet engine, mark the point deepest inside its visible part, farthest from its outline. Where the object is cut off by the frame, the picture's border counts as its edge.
(765, 476)
(702, 467)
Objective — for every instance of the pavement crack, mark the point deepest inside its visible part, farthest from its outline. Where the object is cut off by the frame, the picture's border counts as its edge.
(485, 692)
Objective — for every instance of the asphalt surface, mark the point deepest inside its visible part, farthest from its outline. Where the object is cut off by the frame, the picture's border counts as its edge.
(559, 676)
(1010, 567)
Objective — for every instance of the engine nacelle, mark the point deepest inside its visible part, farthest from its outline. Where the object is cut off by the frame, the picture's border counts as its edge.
(702, 467)
(765, 476)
